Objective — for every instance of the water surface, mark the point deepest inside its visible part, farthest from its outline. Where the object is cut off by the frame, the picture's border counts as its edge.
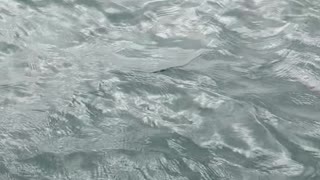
(167, 89)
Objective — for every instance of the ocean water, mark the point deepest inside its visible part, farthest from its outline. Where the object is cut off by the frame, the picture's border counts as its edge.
(159, 89)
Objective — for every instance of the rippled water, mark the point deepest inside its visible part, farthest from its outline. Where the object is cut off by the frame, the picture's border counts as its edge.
(167, 89)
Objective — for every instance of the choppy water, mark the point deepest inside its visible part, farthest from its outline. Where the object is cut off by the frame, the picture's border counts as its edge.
(171, 89)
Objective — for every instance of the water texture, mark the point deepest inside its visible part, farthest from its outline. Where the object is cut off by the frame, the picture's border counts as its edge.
(160, 90)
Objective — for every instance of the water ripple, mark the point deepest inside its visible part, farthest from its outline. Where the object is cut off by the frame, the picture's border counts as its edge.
(182, 89)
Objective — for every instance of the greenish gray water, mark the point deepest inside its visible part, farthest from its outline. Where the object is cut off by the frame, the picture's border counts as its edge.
(167, 89)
